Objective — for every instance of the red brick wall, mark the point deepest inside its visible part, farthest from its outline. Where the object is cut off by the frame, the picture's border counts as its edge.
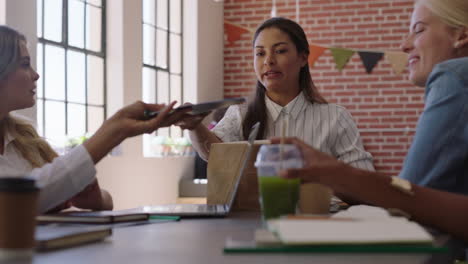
(384, 105)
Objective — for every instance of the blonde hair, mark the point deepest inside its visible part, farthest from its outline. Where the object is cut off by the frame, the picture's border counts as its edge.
(26, 140)
(453, 12)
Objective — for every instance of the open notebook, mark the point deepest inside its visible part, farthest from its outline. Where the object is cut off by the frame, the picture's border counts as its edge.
(204, 210)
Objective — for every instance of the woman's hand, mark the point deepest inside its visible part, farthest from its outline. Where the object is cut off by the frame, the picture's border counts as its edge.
(128, 122)
(316, 164)
(191, 122)
(131, 121)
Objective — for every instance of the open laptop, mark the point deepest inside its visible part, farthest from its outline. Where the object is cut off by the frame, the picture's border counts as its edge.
(203, 210)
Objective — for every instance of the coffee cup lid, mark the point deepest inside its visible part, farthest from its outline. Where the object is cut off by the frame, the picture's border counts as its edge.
(17, 184)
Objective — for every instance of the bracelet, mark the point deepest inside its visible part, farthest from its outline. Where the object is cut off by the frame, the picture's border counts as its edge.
(402, 185)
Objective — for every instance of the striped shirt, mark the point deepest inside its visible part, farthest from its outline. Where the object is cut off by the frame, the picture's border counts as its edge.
(326, 127)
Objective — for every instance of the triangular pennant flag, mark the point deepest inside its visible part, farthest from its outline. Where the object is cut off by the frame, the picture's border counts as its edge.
(234, 32)
(370, 59)
(315, 52)
(341, 56)
(398, 60)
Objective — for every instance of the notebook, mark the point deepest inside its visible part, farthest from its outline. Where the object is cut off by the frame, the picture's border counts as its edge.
(51, 237)
(203, 210)
(358, 229)
(97, 217)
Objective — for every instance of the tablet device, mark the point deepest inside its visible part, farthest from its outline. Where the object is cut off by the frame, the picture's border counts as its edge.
(201, 108)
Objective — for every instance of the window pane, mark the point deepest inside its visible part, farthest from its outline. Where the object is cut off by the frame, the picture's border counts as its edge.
(55, 120)
(95, 118)
(95, 2)
(95, 80)
(40, 116)
(148, 45)
(93, 28)
(40, 88)
(76, 120)
(176, 16)
(149, 85)
(53, 20)
(176, 88)
(161, 47)
(76, 23)
(163, 87)
(175, 131)
(163, 132)
(39, 17)
(162, 13)
(54, 73)
(175, 44)
(176, 94)
(148, 12)
(76, 77)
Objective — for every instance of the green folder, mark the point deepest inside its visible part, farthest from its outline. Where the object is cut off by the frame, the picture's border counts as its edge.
(248, 247)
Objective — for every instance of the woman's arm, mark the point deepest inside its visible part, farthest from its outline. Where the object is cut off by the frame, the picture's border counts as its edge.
(227, 129)
(446, 211)
(68, 175)
(202, 138)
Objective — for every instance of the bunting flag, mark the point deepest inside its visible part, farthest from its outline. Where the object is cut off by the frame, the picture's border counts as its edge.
(315, 52)
(370, 59)
(234, 32)
(398, 60)
(341, 56)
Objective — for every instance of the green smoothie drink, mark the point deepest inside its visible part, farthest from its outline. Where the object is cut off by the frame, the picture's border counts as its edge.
(278, 196)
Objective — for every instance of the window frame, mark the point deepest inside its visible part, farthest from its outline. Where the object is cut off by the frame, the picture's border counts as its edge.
(65, 45)
(167, 70)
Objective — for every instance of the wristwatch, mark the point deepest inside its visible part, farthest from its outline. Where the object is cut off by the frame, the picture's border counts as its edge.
(402, 185)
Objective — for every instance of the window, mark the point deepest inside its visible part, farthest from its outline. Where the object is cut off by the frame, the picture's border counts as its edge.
(71, 61)
(162, 60)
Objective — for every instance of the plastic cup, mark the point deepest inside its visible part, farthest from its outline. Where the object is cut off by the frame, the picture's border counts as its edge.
(278, 196)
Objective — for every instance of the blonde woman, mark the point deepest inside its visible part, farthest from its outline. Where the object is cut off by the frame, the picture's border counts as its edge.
(70, 179)
(438, 59)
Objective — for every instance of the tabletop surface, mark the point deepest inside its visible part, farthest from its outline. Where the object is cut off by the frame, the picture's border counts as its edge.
(200, 240)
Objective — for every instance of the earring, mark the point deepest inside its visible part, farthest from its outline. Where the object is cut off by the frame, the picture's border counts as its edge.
(456, 44)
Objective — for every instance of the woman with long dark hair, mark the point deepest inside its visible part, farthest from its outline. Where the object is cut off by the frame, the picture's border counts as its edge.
(285, 94)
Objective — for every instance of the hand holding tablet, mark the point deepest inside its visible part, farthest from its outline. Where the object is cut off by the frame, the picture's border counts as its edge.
(201, 108)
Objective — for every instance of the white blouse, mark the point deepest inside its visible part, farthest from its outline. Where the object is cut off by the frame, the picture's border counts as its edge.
(326, 127)
(59, 180)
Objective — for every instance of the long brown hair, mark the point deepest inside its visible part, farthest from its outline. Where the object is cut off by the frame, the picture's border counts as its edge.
(26, 140)
(256, 111)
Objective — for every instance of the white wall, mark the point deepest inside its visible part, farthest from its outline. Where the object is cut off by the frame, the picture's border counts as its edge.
(2, 12)
(21, 15)
(133, 179)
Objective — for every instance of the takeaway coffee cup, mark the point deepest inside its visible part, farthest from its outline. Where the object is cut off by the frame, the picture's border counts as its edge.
(278, 196)
(18, 209)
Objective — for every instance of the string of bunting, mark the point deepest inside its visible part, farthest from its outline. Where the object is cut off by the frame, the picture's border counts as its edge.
(397, 59)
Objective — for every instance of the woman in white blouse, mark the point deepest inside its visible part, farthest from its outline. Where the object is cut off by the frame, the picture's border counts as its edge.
(285, 93)
(70, 179)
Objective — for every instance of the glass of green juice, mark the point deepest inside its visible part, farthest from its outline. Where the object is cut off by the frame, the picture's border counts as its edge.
(278, 196)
